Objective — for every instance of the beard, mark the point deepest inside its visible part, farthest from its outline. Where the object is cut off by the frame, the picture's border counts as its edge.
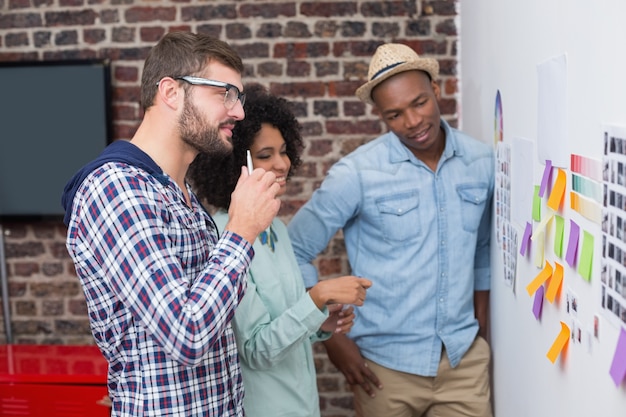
(198, 134)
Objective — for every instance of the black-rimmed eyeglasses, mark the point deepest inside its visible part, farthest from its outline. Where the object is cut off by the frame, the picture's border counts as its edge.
(232, 92)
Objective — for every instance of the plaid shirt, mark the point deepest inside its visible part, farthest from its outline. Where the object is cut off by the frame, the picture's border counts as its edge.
(161, 291)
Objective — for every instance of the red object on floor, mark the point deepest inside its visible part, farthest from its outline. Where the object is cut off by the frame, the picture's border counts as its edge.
(52, 381)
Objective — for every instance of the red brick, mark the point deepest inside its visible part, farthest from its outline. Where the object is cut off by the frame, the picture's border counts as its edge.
(267, 10)
(347, 127)
(299, 89)
(127, 94)
(125, 112)
(151, 34)
(298, 50)
(320, 147)
(343, 88)
(71, 18)
(450, 86)
(298, 68)
(150, 14)
(328, 9)
(388, 8)
(125, 73)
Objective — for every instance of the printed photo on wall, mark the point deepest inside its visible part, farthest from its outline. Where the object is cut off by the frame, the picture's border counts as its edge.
(506, 234)
(613, 264)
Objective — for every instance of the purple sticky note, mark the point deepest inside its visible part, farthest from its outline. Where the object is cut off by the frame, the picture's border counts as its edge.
(572, 246)
(618, 367)
(526, 239)
(546, 178)
(538, 302)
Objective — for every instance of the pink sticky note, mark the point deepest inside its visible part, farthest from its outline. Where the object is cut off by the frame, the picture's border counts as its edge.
(572, 246)
(538, 302)
(526, 239)
(618, 367)
(546, 178)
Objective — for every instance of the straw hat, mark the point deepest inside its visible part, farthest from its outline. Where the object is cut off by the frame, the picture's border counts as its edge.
(391, 59)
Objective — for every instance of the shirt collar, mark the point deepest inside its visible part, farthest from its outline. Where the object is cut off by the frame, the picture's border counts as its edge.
(400, 153)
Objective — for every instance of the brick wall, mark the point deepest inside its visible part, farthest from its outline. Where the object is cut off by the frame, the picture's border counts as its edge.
(313, 53)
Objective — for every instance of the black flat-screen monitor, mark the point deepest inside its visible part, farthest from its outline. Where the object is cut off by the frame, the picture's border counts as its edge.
(54, 118)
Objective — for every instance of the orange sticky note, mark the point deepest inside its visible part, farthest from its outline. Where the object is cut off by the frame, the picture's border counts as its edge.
(558, 191)
(539, 279)
(555, 282)
(559, 343)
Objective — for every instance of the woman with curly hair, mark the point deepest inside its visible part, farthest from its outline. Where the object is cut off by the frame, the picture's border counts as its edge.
(277, 320)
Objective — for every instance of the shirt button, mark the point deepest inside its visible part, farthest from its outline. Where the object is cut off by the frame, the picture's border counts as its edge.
(443, 242)
(399, 210)
(441, 299)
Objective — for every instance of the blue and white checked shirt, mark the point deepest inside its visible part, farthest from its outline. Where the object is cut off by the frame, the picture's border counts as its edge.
(422, 237)
(161, 291)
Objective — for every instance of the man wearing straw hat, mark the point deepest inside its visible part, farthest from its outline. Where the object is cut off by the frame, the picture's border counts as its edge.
(414, 206)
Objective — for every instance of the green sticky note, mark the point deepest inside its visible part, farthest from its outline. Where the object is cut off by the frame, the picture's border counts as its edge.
(537, 205)
(558, 235)
(586, 257)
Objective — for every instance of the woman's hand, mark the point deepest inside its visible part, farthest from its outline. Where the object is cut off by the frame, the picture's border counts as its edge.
(339, 320)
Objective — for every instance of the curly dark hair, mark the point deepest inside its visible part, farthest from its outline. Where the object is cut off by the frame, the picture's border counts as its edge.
(213, 179)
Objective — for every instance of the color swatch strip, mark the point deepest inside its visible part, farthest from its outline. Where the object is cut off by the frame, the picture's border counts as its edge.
(589, 209)
(587, 187)
(588, 167)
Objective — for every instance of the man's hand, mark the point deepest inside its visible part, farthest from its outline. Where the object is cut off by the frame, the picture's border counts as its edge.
(253, 203)
(345, 355)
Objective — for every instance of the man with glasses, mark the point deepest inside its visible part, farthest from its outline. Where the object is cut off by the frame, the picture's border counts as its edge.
(161, 284)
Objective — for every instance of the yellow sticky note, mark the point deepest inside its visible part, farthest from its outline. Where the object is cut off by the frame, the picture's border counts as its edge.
(555, 282)
(536, 205)
(539, 279)
(559, 343)
(542, 226)
(539, 241)
(558, 191)
(558, 235)
(586, 256)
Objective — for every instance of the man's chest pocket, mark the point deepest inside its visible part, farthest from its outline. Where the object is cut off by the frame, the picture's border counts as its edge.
(473, 199)
(399, 217)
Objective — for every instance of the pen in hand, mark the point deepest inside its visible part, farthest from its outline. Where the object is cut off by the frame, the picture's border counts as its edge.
(250, 169)
(249, 160)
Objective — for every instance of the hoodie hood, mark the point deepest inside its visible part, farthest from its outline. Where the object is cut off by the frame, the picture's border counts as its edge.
(118, 151)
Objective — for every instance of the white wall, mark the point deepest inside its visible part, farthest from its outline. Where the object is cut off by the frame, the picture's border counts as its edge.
(502, 41)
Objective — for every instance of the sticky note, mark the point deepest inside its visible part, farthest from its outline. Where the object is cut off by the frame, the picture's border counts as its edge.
(540, 243)
(545, 180)
(572, 245)
(558, 190)
(536, 205)
(558, 235)
(526, 239)
(559, 343)
(586, 256)
(541, 277)
(541, 227)
(555, 282)
(618, 365)
(538, 302)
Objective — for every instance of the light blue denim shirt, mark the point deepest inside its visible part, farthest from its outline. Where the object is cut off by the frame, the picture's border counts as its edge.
(422, 237)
